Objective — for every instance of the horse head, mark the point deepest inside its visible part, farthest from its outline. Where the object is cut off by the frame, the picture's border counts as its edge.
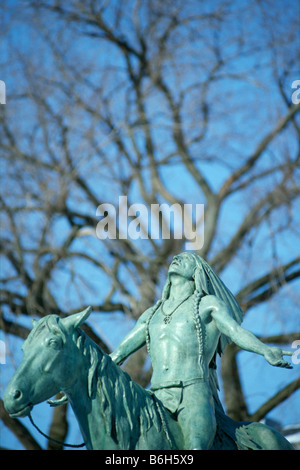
(49, 365)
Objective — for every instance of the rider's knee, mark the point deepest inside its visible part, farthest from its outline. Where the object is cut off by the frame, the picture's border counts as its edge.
(201, 436)
(197, 442)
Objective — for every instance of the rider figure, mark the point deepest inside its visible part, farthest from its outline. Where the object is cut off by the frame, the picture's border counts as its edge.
(195, 318)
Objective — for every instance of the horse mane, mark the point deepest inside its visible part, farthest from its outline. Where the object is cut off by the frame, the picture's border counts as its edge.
(128, 409)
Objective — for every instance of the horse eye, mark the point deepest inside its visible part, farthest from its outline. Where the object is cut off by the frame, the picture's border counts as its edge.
(54, 343)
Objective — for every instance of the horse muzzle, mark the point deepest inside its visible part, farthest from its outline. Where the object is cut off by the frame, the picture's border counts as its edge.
(16, 404)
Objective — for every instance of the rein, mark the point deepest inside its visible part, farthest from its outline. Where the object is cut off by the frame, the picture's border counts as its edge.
(51, 439)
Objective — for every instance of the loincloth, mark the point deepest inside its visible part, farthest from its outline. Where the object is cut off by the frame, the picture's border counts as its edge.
(171, 393)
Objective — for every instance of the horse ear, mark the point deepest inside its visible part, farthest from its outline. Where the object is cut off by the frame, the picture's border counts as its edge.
(75, 320)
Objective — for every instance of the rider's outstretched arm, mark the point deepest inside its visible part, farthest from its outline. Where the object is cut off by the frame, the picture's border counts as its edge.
(133, 341)
(220, 312)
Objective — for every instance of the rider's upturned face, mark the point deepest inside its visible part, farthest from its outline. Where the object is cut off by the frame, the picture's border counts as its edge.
(183, 265)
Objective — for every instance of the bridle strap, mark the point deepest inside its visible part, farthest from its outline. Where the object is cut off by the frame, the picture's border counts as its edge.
(51, 439)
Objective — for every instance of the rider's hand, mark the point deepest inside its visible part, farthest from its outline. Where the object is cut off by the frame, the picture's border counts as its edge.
(274, 357)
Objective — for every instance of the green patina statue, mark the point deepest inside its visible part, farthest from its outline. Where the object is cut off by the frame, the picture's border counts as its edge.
(196, 317)
(192, 322)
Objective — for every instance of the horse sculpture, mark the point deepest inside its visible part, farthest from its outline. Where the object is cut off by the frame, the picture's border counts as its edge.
(112, 410)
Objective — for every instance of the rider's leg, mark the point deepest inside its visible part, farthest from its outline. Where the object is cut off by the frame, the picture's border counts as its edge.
(196, 417)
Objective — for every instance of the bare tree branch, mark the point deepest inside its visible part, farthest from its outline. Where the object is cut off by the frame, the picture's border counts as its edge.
(277, 197)
(228, 187)
(252, 294)
(274, 401)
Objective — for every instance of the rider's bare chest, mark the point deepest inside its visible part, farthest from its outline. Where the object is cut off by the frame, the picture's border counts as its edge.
(173, 320)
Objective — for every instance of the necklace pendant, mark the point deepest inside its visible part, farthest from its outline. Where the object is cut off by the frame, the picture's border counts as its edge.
(168, 316)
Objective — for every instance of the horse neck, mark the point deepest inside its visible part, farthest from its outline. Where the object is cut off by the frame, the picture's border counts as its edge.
(84, 401)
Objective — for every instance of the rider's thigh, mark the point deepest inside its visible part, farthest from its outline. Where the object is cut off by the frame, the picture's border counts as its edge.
(196, 417)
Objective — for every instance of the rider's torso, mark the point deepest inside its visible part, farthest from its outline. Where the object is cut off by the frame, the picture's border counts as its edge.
(174, 346)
